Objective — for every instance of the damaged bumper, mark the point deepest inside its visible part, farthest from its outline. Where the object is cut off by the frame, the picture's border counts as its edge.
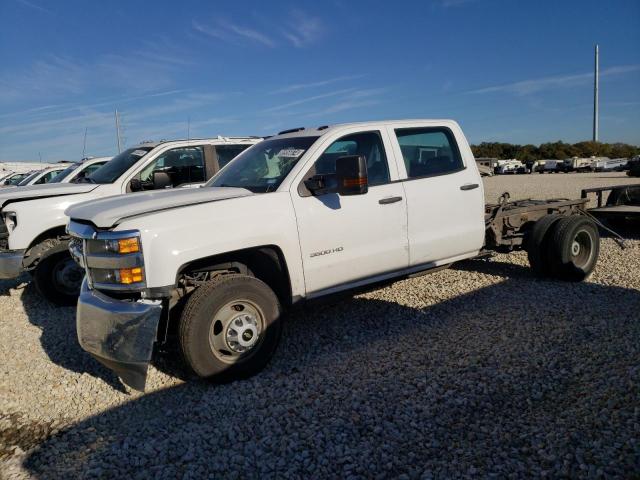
(119, 334)
(11, 263)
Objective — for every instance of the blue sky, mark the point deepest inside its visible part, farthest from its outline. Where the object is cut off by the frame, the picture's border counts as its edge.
(507, 70)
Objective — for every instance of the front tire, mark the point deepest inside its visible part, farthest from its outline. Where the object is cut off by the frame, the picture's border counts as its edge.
(230, 327)
(58, 279)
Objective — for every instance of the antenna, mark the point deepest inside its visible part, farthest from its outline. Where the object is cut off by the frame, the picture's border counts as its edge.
(84, 143)
(118, 132)
(596, 74)
(40, 156)
(188, 128)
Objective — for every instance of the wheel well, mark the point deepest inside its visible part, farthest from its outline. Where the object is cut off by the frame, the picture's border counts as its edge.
(266, 263)
(51, 233)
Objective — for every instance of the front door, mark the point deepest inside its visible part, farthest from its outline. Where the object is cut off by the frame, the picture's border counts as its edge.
(346, 239)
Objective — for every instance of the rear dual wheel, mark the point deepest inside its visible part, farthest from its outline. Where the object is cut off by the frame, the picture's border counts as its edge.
(561, 247)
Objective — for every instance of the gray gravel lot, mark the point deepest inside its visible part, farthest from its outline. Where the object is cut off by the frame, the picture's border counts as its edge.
(477, 371)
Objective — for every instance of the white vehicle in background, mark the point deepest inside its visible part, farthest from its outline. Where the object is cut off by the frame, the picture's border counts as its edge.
(13, 179)
(76, 172)
(577, 164)
(604, 164)
(32, 231)
(509, 167)
(44, 176)
(553, 166)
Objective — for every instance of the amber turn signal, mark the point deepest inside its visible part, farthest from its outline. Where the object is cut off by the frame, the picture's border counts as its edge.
(128, 245)
(131, 275)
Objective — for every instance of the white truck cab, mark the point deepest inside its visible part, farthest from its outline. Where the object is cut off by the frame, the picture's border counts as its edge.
(32, 230)
(44, 176)
(78, 171)
(303, 214)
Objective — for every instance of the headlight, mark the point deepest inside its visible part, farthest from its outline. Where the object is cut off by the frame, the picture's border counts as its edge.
(113, 260)
(119, 246)
(120, 276)
(10, 220)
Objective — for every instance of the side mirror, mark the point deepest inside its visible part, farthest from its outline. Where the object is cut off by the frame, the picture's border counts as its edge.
(161, 180)
(135, 185)
(321, 184)
(351, 175)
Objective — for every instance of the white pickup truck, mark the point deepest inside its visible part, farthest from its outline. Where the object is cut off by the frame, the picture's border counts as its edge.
(32, 230)
(301, 215)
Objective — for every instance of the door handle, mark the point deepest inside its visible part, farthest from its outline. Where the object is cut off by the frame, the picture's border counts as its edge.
(388, 200)
(469, 186)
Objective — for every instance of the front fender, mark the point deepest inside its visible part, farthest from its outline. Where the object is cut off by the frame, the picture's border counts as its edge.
(176, 237)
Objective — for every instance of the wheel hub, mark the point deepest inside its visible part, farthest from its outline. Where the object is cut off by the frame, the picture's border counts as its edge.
(68, 275)
(242, 333)
(575, 248)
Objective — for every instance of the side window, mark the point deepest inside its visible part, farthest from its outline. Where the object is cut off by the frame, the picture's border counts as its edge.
(367, 144)
(226, 153)
(46, 178)
(87, 171)
(183, 165)
(429, 151)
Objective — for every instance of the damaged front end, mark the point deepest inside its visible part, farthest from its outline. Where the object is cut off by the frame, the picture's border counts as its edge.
(115, 322)
(120, 334)
(10, 260)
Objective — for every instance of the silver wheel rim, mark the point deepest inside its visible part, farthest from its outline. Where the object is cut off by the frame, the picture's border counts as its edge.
(582, 249)
(68, 276)
(236, 331)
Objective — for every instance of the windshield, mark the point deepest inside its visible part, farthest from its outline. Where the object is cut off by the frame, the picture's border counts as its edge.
(63, 174)
(28, 179)
(113, 169)
(263, 167)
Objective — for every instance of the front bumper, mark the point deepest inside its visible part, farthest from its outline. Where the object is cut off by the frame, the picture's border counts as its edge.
(11, 263)
(119, 334)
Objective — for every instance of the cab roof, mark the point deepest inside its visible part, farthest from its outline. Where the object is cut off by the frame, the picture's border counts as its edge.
(324, 129)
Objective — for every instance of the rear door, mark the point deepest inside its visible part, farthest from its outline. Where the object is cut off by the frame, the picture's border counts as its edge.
(347, 239)
(445, 200)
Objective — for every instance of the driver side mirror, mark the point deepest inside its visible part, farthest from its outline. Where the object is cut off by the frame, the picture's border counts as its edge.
(161, 180)
(351, 175)
(135, 185)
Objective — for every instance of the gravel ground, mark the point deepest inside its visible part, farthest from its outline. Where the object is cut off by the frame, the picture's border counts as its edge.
(477, 371)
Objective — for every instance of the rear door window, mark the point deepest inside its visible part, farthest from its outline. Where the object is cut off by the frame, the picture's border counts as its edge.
(429, 151)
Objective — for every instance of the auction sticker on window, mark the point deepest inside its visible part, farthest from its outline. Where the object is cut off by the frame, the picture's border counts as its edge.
(290, 152)
(139, 153)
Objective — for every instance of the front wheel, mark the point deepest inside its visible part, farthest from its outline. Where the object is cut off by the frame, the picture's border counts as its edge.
(58, 279)
(230, 327)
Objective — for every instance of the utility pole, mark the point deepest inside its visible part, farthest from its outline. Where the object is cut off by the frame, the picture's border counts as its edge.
(118, 132)
(596, 74)
(188, 128)
(84, 143)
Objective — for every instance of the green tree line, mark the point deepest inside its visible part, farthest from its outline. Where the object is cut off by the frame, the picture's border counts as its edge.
(558, 150)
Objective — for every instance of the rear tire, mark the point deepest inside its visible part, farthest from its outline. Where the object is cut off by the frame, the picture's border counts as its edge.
(230, 328)
(58, 279)
(574, 248)
(536, 244)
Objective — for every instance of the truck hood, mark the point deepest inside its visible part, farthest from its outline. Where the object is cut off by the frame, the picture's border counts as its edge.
(109, 211)
(21, 194)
